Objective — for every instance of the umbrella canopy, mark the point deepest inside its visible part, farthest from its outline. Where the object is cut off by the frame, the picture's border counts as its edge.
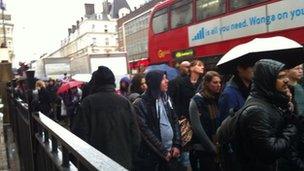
(82, 77)
(171, 72)
(278, 48)
(69, 85)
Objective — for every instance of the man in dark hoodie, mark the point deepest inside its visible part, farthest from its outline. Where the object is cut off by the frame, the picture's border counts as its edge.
(158, 125)
(107, 120)
(264, 131)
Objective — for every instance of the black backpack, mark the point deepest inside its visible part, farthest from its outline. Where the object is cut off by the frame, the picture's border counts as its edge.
(228, 135)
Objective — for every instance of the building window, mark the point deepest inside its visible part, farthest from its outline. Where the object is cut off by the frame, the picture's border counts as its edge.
(107, 41)
(209, 8)
(94, 41)
(160, 21)
(236, 4)
(106, 28)
(181, 13)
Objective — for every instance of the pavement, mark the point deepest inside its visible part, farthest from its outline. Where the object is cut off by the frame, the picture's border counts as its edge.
(3, 155)
(8, 153)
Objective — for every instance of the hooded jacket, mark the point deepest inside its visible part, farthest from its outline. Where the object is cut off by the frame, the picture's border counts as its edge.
(124, 91)
(107, 121)
(151, 148)
(264, 134)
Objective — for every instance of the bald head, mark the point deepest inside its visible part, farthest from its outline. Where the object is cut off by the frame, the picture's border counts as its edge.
(184, 68)
(185, 63)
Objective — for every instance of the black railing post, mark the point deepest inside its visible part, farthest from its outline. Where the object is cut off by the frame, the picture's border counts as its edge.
(46, 136)
(31, 86)
(54, 144)
(65, 157)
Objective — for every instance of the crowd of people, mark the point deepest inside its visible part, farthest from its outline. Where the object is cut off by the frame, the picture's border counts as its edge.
(254, 121)
(60, 107)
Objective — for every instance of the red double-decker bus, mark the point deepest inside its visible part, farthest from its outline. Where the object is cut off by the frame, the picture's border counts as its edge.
(207, 29)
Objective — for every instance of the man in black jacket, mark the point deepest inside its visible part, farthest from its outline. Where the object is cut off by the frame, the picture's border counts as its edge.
(158, 125)
(107, 121)
(174, 85)
(264, 133)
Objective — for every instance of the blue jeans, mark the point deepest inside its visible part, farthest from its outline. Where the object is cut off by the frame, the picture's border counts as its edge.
(184, 159)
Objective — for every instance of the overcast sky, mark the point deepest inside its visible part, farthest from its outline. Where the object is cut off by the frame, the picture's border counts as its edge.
(40, 25)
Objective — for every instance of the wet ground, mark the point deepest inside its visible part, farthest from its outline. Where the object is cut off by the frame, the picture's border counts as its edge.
(8, 152)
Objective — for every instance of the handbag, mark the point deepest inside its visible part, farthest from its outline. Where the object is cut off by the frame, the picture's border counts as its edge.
(186, 131)
(63, 109)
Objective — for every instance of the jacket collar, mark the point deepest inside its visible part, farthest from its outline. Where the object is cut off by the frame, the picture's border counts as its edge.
(189, 84)
(236, 83)
(106, 88)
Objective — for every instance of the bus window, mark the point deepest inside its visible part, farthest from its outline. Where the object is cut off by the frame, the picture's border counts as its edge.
(181, 13)
(236, 4)
(160, 21)
(209, 8)
(210, 62)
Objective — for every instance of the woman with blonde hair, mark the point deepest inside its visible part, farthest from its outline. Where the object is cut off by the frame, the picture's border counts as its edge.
(40, 84)
(44, 99)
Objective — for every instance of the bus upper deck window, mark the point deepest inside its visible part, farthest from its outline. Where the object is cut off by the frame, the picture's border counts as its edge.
(160, 21)
(209, 8)
(181, 13)
(236, 4)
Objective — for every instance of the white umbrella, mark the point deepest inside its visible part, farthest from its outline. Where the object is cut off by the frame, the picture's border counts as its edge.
(278, 48)
(82, 77)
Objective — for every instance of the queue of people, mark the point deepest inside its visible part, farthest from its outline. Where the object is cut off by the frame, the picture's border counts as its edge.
(139, 126)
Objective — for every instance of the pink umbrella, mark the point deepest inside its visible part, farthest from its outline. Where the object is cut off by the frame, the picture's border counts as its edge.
(69, 85)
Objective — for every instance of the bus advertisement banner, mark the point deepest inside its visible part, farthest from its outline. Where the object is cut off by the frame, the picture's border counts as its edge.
(276, 16)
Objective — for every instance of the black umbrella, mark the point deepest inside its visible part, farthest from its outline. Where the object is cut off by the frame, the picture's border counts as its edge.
(278, 48)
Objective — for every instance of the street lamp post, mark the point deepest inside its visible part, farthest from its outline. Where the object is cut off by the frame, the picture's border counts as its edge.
(3, 45)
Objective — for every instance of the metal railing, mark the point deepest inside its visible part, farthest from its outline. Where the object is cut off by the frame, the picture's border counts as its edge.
(43, 144)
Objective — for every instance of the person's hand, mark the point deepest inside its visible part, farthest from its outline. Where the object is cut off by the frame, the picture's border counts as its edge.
(168, 156)
(289, 94)
(175, 152)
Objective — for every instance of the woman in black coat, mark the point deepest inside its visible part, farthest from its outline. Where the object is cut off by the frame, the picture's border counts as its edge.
(44, 99)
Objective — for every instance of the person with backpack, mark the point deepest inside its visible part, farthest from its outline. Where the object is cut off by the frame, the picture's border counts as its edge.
(204, 115)
(264, 131)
